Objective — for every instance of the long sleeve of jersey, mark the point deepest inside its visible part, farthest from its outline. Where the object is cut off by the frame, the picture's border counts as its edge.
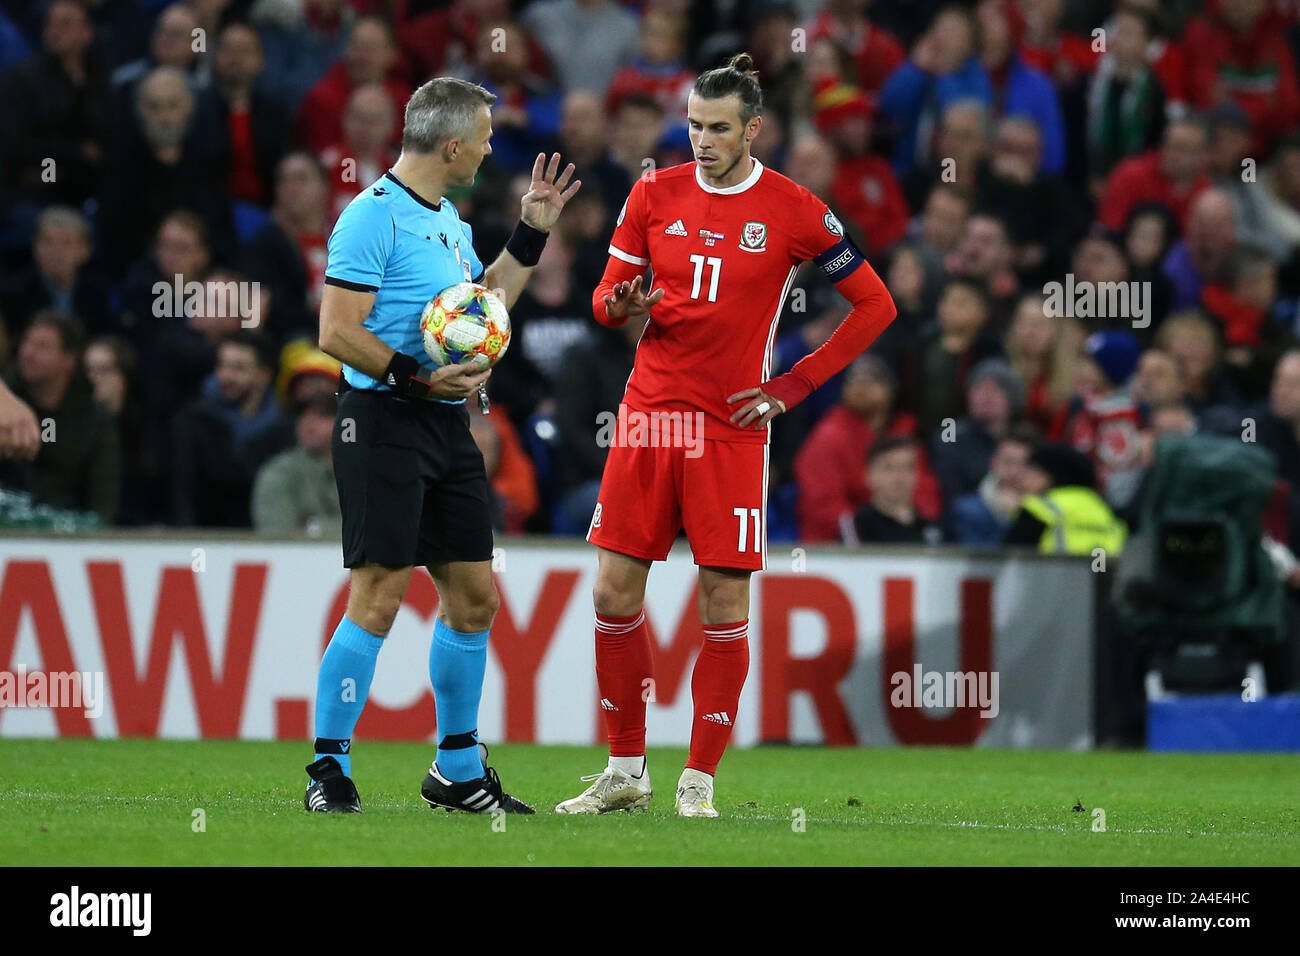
(616, 271)
(873, 310)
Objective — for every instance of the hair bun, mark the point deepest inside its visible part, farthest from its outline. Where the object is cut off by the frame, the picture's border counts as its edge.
(744, 63)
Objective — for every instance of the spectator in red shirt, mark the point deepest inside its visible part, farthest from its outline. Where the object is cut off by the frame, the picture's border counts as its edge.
(829, 466)
(369, 57)
(1237, 50)
(660, 71)
(1174, 176)
(363, 155)
(876, 52)
(865, 188)
(1042, 350)
(1107, 423)
(256, 123)
(1063, 56)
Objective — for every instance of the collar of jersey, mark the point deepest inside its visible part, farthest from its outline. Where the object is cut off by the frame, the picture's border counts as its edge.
(740, 187)
(416, 196)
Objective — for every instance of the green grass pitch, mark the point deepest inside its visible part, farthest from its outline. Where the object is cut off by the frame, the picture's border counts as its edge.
(133, 802)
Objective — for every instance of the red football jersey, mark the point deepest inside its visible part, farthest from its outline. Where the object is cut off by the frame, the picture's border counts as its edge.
(725, 259)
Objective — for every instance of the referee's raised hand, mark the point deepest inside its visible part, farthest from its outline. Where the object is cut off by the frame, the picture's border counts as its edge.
(457, 381)
(546, 195)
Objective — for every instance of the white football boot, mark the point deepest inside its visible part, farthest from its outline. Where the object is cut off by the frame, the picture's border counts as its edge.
(695, 794)
(611, 789)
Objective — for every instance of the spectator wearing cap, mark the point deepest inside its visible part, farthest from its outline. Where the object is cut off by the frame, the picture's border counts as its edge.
(294, 491)
(1125, 99)
(864, 188)
(1015, 88)
(1238, 50)
(1061, 512)
(1106, 422)
(1203, 256)
(305, 372)
(370, 56)
(829, 465)
(961, 452)
(220, 440)
(890, 516)
(79, 462)
(981, 517)
(1173, 175)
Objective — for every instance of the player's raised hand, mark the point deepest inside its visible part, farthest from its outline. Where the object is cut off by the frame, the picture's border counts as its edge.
(547, 194)
(628, 301)
(759, 408)
(457, 381)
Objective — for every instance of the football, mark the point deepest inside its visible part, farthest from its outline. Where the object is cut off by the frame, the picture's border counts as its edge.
(465, 321)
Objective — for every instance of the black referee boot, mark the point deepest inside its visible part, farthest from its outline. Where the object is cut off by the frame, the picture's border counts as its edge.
(483, 795)
(330, 791)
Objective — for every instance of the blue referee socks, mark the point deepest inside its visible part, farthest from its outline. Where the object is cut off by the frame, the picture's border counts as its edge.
(457, 663)
(342, 686)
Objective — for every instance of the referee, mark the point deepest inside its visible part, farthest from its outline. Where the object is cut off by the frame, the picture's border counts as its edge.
(411, 481)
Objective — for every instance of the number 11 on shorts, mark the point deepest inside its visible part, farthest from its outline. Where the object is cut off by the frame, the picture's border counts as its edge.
(756, 514)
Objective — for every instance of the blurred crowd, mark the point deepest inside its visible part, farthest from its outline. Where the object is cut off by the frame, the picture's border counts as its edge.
(1087, 213)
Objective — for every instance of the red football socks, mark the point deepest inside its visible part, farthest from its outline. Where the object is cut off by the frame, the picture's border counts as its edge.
(623, 670)
(716, 682)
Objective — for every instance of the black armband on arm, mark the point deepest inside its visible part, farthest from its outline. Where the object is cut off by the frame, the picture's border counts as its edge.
(526, 244)
(402, 376)
(840, 260)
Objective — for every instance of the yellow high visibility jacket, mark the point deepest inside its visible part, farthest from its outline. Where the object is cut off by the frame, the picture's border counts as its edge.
(1078, 520)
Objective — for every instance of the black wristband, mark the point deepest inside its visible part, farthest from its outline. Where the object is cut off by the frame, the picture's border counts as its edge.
(526, 243)
(402, 376)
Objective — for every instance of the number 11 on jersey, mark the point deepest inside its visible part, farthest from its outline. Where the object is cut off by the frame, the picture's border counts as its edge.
(756, 514)
(715, 266)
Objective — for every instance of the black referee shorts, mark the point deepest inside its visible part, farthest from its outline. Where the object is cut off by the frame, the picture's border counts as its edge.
(412, 487)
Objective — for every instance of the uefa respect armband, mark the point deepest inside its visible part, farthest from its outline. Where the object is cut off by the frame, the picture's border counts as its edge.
(840, 260)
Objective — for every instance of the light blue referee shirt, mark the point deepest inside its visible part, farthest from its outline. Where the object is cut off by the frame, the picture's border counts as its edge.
(405, 250)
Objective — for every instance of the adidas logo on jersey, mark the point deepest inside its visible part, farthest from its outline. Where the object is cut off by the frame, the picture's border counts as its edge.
(722, 717)
(607, 704)
(677, 229)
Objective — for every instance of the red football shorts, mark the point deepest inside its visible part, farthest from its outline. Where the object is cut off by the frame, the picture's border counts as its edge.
(717, 490)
